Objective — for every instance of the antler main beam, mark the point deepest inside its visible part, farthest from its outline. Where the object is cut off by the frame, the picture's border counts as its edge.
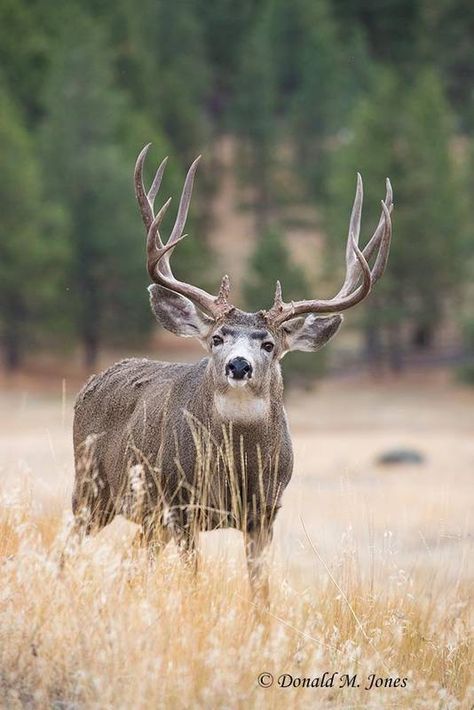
(158, 253)
(357, 267)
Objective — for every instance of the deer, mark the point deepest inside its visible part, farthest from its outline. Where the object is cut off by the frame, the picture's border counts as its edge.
(181, 448)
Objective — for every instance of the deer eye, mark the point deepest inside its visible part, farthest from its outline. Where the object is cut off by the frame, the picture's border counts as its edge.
(268, 346)
(217, 340)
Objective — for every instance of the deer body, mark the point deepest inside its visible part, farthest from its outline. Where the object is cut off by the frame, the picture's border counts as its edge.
(124, 414)
(181, 448)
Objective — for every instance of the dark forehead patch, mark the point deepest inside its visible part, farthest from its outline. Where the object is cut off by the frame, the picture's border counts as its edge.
(253, 334)
(259, 334)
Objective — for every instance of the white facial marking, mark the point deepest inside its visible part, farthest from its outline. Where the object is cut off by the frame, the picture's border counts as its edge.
(242, 348)
(236, 384)
(239, 405)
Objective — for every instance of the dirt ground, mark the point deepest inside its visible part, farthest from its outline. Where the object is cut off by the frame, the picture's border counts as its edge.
(417, 516)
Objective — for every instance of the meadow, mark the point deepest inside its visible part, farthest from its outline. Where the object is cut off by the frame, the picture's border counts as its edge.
(371, 569)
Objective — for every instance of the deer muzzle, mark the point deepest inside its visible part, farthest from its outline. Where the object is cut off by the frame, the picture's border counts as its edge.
(238, 368)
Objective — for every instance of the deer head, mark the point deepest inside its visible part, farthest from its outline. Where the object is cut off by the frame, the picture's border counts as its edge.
(245, 348)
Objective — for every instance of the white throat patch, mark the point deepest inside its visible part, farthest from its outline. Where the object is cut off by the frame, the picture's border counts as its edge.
(239, 405)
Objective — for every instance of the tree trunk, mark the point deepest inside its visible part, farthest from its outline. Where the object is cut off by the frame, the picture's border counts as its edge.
(11, 351)
(89, 324)
(90, 309)
(395, 348)
(263, 197)
(91, 349)
(423, 336)
(373, 347)
(12, 340)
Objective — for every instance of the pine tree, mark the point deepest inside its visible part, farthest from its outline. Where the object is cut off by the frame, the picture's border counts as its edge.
(429, 196)
(370, 125)
(255, 114)
(22, 61)
(270, 262)
(318, 87)
(92, 180)
(182, 83)
(225, 25)
(412, 145)
(446, 43)
(31, 252)
(392, 30)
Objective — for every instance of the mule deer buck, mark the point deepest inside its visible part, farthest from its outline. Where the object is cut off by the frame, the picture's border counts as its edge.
(180, 448)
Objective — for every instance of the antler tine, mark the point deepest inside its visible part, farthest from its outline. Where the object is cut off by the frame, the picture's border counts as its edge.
(356, 214)
(145, 207)
(352, 264)
(224, 292)
(156, 184)
(162, 263)
(146, 200)
(163, 254)
(158, 254)
(382, 256)
(373, 243)
(154, 245)
(184, 201)
(356, 266)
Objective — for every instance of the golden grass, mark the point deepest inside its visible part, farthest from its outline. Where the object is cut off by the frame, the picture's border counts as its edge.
(108, 631)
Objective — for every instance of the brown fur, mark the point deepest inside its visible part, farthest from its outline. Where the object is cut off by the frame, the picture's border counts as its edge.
(199, 471)
(183, 448)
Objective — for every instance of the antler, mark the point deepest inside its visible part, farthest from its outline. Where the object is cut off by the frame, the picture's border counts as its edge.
(357, 266)
(158, 254)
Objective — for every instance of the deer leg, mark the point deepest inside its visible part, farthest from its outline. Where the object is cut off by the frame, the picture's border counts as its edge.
(181, 526)
(188, 551)
(87, 522)
(92, 506)
(257, 540)
(153, 536)
(92, 502)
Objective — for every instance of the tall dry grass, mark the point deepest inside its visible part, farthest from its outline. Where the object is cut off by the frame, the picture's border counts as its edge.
(109, 631)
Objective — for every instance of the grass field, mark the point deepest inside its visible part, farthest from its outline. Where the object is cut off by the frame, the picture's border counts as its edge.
(371, 570)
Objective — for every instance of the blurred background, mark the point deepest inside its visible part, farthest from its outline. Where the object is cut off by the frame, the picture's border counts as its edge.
(286, 101)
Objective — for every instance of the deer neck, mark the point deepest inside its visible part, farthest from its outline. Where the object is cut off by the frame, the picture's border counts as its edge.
(240, 405)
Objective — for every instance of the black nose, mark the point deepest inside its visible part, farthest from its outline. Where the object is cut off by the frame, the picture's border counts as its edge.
(238, 368)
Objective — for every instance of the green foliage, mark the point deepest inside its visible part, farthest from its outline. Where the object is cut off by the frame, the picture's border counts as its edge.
(412, 145)
(23, 54)
(320, 83)
(428, 266)
(182, 74)
(393, 30)
(270, 262)
(465, 372)
(312, 91)
(92, 180)
(296, 83)
(225, 26)
(446, 42)
(31, 252)
(255, 107)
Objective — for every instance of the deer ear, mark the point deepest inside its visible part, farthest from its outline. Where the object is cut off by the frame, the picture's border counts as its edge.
(178, 314)
(309, 334)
